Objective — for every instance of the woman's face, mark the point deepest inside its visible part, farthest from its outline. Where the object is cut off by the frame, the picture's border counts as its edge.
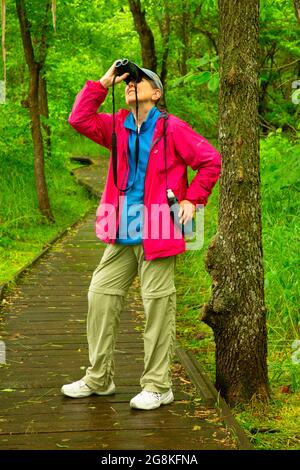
(146, 93)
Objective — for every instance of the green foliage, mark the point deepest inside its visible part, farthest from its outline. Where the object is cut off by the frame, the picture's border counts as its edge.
(280, 208)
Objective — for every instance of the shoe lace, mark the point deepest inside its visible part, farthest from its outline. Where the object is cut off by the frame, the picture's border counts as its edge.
(156, 395)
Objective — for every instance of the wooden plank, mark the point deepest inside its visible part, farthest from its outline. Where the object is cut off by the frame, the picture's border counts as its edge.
(19, 394)
(61, 405)
(67, 346)
(150, 439)
(64, 368)
(56, 382)
(59, 329)
(100, 419)
(26, 398)
(64, 339)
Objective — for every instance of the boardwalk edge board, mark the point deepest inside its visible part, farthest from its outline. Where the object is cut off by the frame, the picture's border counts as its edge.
(211, 397)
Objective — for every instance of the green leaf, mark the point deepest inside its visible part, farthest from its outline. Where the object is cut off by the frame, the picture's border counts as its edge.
(202, 78)
(213, 83)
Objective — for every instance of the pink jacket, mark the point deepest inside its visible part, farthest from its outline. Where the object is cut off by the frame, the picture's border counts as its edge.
(184, 148)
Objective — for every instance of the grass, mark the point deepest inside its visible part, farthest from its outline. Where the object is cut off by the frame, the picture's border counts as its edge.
(277, 424)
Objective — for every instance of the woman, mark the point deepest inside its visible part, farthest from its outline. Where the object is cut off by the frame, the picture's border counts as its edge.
(154, 150)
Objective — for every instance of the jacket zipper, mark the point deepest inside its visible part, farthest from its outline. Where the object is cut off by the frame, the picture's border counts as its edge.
(151, 148)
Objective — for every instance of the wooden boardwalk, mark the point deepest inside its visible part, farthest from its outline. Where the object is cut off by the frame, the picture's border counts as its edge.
(43, 327)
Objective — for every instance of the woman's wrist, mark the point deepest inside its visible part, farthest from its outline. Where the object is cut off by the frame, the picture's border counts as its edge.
(104, 82)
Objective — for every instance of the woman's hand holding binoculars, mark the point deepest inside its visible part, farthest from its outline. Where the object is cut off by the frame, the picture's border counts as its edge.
(108, 77)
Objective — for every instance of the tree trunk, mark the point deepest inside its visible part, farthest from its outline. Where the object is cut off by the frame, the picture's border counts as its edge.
(145, 35)
(164, 27)
(185, 28)
(44, 111)
(297, 10)
(34, 111)
(236, 310)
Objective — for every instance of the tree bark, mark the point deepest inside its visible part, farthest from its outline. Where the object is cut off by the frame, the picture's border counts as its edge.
(185, 28)
(164, 27)
(34, 109)
(145, 35)
(297, 10)
(3, 25)
(236, 310)
(263, 93)
(44, 111)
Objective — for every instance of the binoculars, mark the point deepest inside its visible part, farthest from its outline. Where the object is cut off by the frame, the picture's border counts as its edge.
(124, 66)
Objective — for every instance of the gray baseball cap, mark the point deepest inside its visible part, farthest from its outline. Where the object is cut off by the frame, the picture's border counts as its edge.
(155, 78)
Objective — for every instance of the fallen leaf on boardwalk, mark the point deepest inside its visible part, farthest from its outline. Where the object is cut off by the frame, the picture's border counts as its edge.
(16, 336)
(173, 413)
(196, 428)
(213, 420)
(185, 381)
(62, 445)
(8, 390)
(201, 413)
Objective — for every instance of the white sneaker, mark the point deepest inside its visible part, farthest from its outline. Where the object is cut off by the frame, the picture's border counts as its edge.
(151, 400)
(79, 389)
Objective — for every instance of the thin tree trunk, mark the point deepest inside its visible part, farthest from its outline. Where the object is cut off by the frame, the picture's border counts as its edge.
(44, 111)
(145, 35)
(236, 310)
(164, 27)
(297, 10)
(34, 111)
(263, 94)
(185, 37)
(3, 25)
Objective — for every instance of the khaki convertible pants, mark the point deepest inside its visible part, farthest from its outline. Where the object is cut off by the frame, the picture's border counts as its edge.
(109, 285)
